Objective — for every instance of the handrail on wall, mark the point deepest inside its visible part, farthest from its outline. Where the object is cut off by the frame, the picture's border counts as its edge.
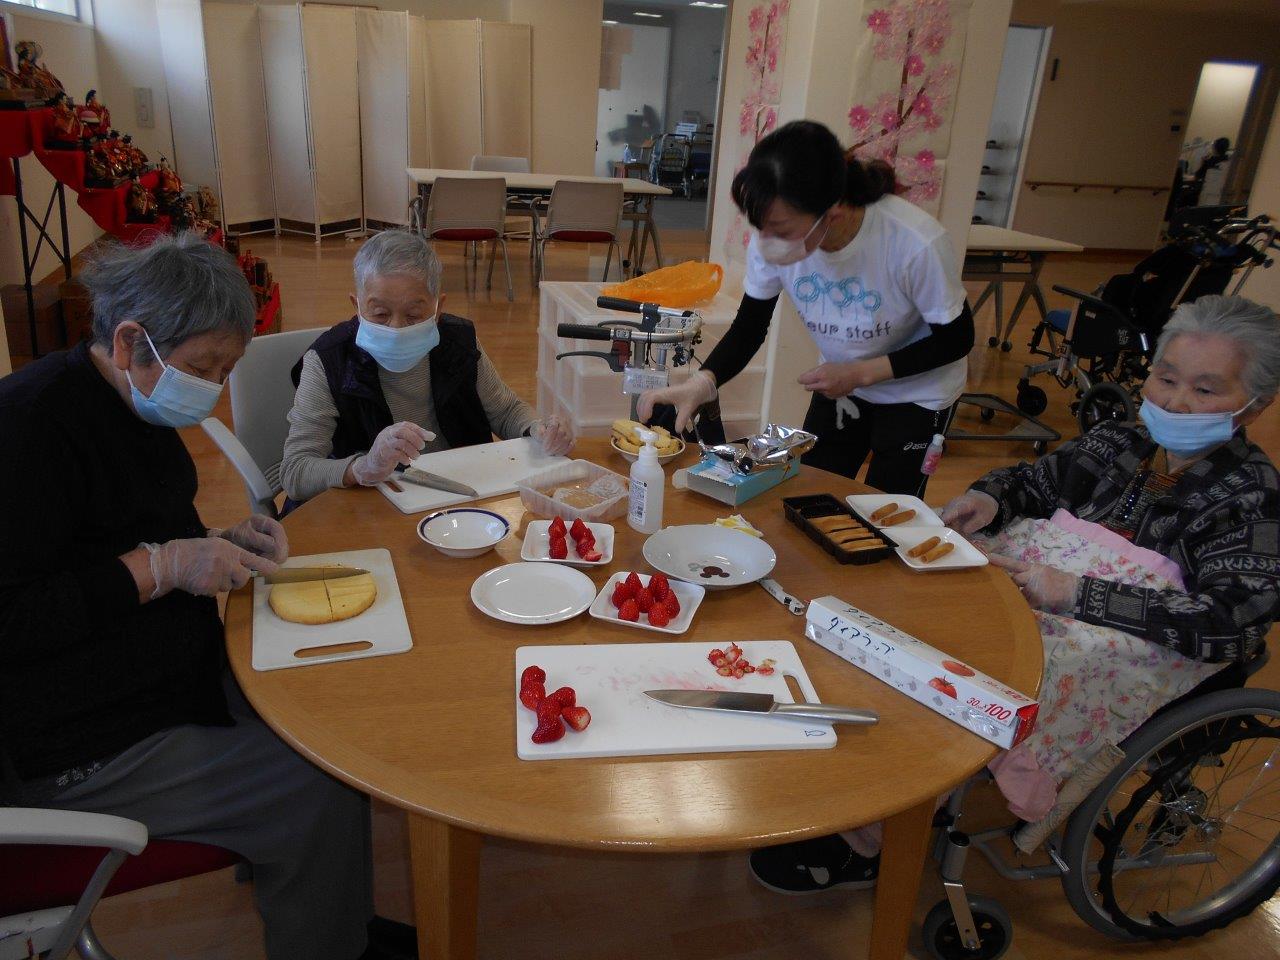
(1077, 187)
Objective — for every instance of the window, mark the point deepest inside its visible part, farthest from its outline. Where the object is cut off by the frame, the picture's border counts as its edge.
(68, 8)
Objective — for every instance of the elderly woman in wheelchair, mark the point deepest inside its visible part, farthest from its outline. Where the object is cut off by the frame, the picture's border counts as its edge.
(1150, 553)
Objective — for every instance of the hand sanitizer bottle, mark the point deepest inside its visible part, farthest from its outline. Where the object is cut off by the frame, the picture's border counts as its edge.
(933, 455)
(647, 487)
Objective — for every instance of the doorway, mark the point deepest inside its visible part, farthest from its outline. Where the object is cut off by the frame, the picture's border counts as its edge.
(1017, 90)
(1209, 169)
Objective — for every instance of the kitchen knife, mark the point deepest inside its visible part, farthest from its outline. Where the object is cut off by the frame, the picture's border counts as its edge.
(774, 589)
(760, 703)
(303, 574)
(436, 482)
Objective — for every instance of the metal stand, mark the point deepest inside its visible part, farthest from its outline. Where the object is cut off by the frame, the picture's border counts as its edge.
(31, 258)
(1027, 430)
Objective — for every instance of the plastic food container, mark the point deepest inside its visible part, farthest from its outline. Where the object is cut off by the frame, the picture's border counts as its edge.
(537, 492)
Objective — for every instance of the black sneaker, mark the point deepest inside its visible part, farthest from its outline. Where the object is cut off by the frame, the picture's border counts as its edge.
(812, 866)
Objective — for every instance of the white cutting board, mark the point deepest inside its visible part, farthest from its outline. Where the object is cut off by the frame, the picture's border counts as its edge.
(610, 680)
(384, 626)
(491, 469)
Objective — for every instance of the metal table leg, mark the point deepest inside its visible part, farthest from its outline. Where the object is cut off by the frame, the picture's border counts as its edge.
(1030, 288)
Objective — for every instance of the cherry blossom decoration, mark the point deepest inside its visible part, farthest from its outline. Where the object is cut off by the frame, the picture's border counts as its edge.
(758, 110)
(905, 84)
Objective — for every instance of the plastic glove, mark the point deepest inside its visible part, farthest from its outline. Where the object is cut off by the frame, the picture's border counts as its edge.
(1046, 588)
(970, 512)
(258, 534)
(399, 443)
(686, 397)
(553, 435)
(204, 567)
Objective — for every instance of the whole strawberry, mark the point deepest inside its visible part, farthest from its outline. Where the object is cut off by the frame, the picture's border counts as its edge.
(533, 672)
(659, 587)
(629, 610)
(658, 616)
(565, 697)
(532, 693)
(644, 600)
(550, 727)
(558, 549)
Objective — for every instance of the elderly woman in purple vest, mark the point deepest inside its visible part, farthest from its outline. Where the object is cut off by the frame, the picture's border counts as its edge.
(399, 379)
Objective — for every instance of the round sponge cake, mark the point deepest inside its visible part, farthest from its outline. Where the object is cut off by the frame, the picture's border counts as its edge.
(323, 601)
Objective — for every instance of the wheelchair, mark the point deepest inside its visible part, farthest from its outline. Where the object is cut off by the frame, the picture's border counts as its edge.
(1104, 348)
(1180, 838)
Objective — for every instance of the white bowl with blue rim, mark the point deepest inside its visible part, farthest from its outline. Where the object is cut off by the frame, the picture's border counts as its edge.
(463, 531)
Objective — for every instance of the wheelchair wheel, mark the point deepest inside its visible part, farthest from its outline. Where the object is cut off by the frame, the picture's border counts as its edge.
(1104, 402)
(942, 937)
(1031, 399)
(1185, 831)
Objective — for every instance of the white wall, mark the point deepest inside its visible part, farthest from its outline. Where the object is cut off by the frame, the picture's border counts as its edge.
(696, 36)
(1264, 285)
(71, 53)
(129, 55)
(1221, 98)
(566, 77)
(430, 9)
(643, 84)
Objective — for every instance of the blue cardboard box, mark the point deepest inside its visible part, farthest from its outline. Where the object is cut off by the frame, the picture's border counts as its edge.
(717, 479)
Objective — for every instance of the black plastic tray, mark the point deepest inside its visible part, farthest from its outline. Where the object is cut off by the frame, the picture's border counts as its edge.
(802, 511)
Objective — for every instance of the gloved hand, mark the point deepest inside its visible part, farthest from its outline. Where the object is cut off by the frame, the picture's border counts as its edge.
(970, 512)
(399, 443)
(204, 566)
(258, 534)
(553, 435)
(686, 397)
(1046, 588)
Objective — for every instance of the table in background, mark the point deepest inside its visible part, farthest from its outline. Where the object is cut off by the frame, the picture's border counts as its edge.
(991, 250)
(432, 730)
(531, 187)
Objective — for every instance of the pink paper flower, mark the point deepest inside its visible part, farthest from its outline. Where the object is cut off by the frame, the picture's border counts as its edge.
(926, 159)
(755, 19)
(746, 119)
(923, 104)
(774, 13)
(889, 119)
(879, 21)
(770, 120)
(932, 122)
(934, 42)
(859, 117)
(915, 65)
(754, 51)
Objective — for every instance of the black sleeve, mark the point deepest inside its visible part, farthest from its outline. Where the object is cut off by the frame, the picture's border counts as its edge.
(744, 337)
(946, 343)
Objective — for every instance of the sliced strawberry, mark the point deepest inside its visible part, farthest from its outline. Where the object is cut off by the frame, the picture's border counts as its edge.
(715, 655)
(557, 528)
(532, 694)
(578, 718)
(746, 667)
(558, 550)
(672, 603)
(721, 661)
(578, 529)
(658, 616)
(732, 652)
(725, 671)
(591, 556)
(630, 610)
(633, 581)
(644, 600)
(565, 697)
(585, 545)
(765, 671)
(659, 586)
(738, 673)
(535, 673)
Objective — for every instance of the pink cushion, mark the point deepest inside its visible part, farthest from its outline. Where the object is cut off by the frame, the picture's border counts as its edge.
(39, 877)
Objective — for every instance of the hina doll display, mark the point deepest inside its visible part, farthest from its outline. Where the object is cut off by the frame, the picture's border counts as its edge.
(33, 73)
(94, 113)
(169, 190)
(137, 159)
(141, 204)
(67, 132)
(207, 204)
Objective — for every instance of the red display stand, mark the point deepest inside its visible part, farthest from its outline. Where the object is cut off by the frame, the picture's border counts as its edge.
(268, 318)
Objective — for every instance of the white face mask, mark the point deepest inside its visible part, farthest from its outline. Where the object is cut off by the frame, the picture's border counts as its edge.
(780, 251)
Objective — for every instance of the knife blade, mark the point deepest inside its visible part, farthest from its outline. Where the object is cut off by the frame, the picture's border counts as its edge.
(760, 703)
(774, 589)
(436, 482)
(303, 574)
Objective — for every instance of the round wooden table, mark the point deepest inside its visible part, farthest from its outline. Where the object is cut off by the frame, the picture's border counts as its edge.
(432, 730)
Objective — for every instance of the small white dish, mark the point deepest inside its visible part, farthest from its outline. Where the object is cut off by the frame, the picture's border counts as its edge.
(963, 556)
(537, 544)
(689, 594)
(710, 556)
(868, 503)
(633, 457)
(532, 593)
(464, 531)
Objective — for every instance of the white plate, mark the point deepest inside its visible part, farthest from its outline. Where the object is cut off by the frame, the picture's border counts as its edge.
(528, 593)
(464, 531)
(633, 457)
(964, 555)
(537, 544)
(868, 503)
(690, 596)
(686, 553)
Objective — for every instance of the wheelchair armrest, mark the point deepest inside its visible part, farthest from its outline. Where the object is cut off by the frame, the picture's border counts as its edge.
(70, 828)
(1080, 295)
(1097, 303)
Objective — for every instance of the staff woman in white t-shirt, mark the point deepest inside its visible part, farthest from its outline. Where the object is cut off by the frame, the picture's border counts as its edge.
(875, 282)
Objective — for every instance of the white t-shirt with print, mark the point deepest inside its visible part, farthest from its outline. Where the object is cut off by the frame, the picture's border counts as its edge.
(876, 295)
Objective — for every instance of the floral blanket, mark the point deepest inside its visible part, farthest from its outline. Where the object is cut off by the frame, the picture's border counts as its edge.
(1099, 684)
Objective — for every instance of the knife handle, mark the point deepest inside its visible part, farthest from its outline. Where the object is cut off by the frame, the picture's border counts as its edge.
(819, 711)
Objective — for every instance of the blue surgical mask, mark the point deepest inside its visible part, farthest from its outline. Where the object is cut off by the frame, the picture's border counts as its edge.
(1186, 434)
(398, 348)
(178, 399)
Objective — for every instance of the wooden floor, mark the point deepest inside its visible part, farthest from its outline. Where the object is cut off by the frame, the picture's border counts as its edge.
(541, 903)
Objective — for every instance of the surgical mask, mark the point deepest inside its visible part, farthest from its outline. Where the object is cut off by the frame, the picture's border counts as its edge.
(178, 399)
(781, 252)
(398, 348)
(1186, 434)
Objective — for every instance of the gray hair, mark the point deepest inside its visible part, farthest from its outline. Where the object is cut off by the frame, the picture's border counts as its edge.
(1254, 328)
(178, 287)
(397, 253)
